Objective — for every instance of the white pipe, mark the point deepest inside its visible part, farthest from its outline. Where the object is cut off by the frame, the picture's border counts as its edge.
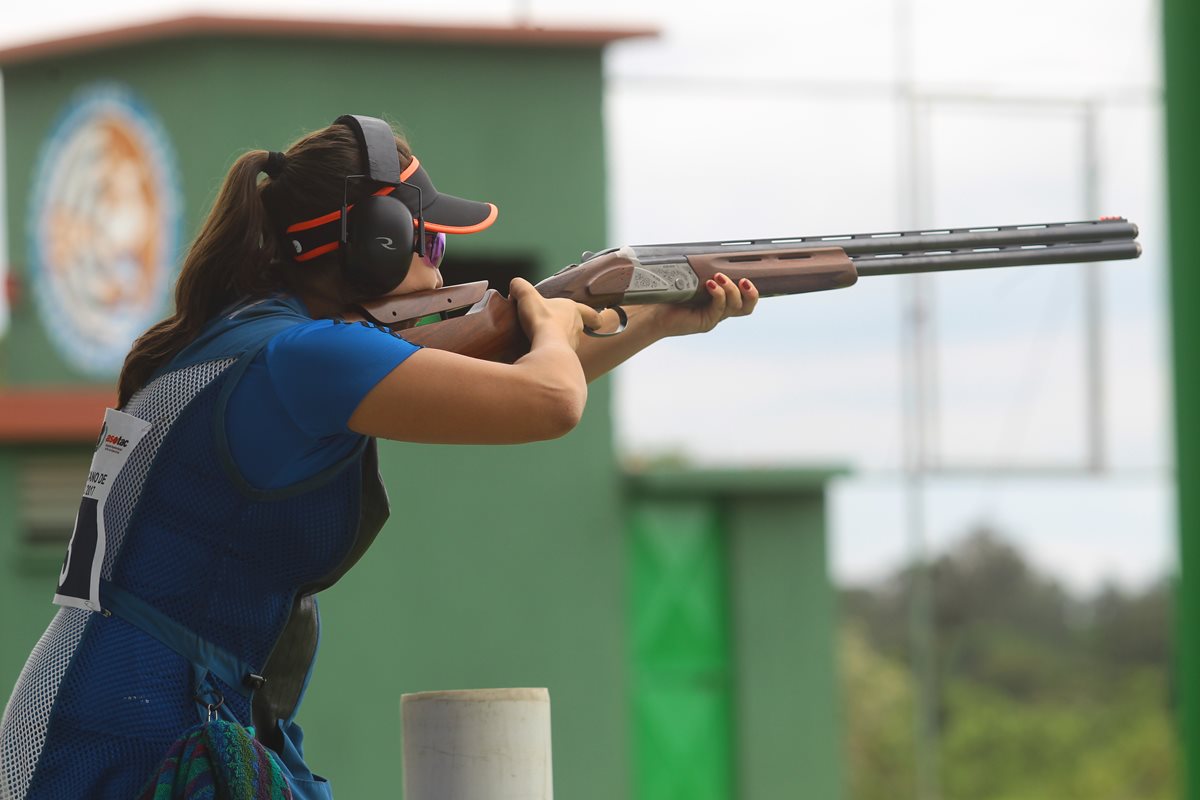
(477, 744)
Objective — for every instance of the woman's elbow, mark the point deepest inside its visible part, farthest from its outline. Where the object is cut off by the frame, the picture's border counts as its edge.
(560, 411)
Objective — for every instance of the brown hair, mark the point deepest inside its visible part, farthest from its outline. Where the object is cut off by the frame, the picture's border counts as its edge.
(240, 250)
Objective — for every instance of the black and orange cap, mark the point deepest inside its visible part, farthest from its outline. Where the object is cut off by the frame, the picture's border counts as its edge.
(443, 213)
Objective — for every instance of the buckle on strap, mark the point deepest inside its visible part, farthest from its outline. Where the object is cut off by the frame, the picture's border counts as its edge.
(235, 673)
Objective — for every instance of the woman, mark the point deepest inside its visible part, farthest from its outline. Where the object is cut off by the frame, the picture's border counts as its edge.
(238, 477)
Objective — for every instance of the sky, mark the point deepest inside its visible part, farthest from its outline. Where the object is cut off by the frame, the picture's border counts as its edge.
(817, 140)
(873, 115)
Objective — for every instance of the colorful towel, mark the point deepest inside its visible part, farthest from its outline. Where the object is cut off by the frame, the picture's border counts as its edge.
(217, 760)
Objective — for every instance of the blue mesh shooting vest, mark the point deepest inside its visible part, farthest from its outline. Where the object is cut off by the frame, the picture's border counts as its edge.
(207, 586)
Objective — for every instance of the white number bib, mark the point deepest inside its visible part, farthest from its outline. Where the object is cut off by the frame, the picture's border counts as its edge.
(79, 580)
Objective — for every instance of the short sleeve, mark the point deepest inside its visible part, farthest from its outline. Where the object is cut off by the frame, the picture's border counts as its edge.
(322, 370)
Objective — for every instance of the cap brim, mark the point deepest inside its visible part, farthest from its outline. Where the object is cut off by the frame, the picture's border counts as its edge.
(445, 213)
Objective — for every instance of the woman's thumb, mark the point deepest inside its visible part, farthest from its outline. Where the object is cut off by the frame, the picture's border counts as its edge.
(519, 287)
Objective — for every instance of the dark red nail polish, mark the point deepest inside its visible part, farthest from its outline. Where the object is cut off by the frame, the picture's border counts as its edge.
(745, 285)
(712, 284)
(721, 279)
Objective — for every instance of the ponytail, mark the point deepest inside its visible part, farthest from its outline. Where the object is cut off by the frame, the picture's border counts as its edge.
(229, 259)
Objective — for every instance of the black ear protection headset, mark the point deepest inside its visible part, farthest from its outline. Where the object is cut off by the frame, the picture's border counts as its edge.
(378, 236)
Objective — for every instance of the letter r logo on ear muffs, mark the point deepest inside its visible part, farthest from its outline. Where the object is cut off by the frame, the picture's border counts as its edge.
(378, 248)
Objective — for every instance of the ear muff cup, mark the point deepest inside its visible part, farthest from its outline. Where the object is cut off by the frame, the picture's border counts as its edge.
(379, 245)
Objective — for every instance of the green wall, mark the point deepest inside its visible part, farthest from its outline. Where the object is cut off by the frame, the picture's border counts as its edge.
(1181, 22)
(500, 566)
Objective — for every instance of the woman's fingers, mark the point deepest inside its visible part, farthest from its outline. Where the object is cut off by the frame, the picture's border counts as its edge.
(533, 311)
(733, 295)
(749, 294)
(522, 290)
(720, 297)
(610, 320)
(730, 298)
(591, 317)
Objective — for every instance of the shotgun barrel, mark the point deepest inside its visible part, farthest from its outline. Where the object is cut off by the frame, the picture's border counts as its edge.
(1109, 229)
(978, 258)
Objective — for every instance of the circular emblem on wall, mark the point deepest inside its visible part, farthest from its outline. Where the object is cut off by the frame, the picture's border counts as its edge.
(104, 223)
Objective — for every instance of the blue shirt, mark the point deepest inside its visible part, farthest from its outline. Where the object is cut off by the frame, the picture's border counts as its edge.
(287, 418)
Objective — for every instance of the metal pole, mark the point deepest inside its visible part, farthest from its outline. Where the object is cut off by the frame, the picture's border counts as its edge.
(931, 441)
(920, 611)
(914, 443)
(1093, 303)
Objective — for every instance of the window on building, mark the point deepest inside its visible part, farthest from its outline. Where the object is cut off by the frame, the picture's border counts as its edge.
(498, 272)
(49, 486)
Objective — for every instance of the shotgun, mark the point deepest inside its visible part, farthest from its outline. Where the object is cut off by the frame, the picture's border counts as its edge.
(676, 273)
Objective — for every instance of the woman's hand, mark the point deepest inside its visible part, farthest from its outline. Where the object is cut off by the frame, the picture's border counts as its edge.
(540, 316)
(727, 299)
(649, 323)
(442, 397)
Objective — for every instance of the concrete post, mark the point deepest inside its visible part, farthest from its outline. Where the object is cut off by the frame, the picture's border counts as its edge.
(478, 744)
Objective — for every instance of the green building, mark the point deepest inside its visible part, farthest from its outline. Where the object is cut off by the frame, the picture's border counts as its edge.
(683, 621)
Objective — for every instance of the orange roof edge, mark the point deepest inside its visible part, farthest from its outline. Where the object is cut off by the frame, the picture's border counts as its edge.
(213, 25)
(48, 415)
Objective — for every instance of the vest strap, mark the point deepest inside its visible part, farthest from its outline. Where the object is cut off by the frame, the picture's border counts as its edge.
(235, 673)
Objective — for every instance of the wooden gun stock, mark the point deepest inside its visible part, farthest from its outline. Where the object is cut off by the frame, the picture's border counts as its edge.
(398, 308)
(491, 332)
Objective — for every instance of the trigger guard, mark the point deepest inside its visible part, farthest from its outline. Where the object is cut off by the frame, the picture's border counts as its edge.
(622, 319)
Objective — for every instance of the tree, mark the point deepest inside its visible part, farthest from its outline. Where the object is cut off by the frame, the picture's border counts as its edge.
(1042, 694)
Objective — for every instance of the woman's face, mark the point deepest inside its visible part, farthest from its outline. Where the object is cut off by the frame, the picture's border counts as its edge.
(421, 276)
(424, 271)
